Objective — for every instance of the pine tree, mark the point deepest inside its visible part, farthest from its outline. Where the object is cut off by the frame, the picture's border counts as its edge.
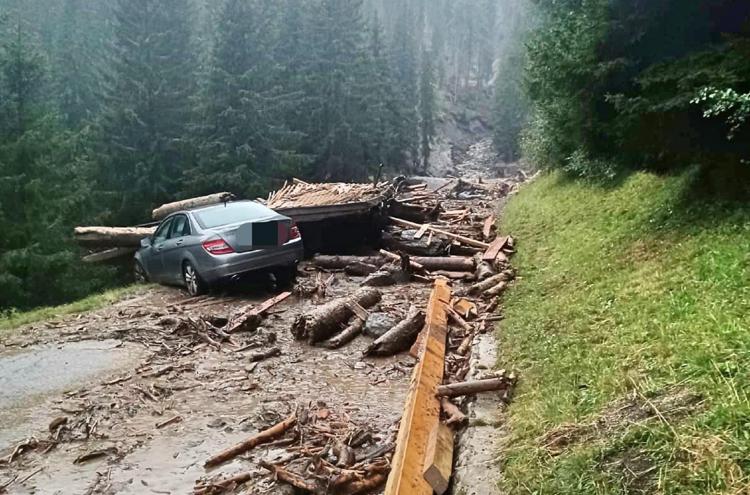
(244, 141)
(405, 67)
(335, 88)
(427, 105)
(147, 106)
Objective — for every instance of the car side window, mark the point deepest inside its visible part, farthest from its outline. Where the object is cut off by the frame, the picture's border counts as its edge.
(180, 227)
(162, 232)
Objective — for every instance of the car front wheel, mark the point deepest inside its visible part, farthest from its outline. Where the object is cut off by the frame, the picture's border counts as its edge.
(193, 282)
(139, 273)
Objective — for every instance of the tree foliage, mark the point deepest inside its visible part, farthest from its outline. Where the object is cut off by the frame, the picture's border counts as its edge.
(616, 81)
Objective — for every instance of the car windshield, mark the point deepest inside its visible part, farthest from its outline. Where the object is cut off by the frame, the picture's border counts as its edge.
(230, 213)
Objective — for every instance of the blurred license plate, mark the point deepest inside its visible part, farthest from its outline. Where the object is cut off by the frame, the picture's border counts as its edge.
(258, 235)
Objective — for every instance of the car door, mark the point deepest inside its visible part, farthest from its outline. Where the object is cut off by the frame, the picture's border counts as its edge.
(155, 264)
(174, 248)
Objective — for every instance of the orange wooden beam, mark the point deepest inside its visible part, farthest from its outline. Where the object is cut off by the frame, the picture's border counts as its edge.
(422, 409)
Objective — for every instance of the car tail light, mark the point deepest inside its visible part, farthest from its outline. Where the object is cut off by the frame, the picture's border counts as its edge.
(217, 246)
(294, 232)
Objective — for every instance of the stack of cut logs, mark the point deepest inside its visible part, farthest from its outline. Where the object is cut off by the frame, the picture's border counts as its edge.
(107, 243)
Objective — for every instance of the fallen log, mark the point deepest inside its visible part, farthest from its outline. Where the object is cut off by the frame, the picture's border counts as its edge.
(430, 263)
(360, 269)
(473, 387)
(341, 262)
(346, 336)
(186, 204)
(395, 257)
(260, 438)
(324, 321)
(366, 485)
(109, 254)
(491, 282)
(400, 337)
(457, 318)
(112, 236)
(459, 238)
(496, 290)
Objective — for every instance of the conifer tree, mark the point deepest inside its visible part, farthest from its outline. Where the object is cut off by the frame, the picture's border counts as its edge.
(144, 125)
(427, 106)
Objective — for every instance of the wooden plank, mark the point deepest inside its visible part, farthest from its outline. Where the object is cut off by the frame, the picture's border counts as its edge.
(439, 459)
(494, 249)
(487, 229)
(422, 409)
(265, 306)
(358, 310)
(462, 239)
(421, 231)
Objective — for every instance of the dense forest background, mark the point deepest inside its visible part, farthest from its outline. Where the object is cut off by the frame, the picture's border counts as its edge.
(109, 108)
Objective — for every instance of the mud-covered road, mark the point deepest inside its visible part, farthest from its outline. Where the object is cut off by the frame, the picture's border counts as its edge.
(113, 375)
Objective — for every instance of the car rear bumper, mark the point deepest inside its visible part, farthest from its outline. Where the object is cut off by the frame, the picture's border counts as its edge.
(220, 267)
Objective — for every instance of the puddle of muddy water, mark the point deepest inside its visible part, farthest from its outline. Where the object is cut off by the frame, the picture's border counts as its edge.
(29, 376)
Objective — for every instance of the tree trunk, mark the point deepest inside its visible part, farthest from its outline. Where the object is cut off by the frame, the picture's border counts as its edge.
(186, 204)
(475, 387)
(349, 334)
(112, 236)
(324, 321)
(430, 263)
(491, 282)
(400, 337)
(252, 442)
(341, 262)
(359, 269)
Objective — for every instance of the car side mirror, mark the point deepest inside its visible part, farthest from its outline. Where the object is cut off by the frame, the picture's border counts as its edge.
(145, 242)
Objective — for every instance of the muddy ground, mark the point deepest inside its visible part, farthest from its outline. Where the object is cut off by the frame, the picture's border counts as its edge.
(121, 400)
(98, 372)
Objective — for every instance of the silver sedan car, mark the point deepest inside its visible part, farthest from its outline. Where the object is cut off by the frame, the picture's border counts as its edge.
(199, 247)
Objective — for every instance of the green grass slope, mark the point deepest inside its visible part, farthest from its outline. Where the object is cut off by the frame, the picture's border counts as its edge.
(630, 326)
(14, 319)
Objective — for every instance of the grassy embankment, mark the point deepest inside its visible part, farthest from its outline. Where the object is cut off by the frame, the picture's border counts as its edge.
(16, 319)
(630, 327)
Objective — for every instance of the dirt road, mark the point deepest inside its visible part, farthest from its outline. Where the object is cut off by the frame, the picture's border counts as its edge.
(97, 371)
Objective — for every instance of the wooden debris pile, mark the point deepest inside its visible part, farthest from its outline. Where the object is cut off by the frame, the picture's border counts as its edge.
(325, 452)
(299, 194)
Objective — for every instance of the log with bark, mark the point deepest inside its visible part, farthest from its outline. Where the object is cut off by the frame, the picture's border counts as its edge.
(491, 282)
(186, 204)
(125, 237)
(360, 269)
(400, 337)
(475, 387)
(109, 254)
(496, 290)
(347, 335)
(430, 263)
(453, 414)
(326, 320)
(258, 439)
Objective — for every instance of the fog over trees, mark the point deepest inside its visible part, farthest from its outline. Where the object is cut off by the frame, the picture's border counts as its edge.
(112, 107)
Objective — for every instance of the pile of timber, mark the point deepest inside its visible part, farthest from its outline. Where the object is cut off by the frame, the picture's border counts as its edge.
(327, 453)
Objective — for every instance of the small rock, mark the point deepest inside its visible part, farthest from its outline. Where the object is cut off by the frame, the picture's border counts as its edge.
(379, 279)
(378, 324)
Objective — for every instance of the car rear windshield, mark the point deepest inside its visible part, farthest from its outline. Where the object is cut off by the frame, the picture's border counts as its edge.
(231, 213)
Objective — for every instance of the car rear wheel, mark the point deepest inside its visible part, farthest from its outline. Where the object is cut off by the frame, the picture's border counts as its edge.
(193, 282)
(139, 273)
(284, 276)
